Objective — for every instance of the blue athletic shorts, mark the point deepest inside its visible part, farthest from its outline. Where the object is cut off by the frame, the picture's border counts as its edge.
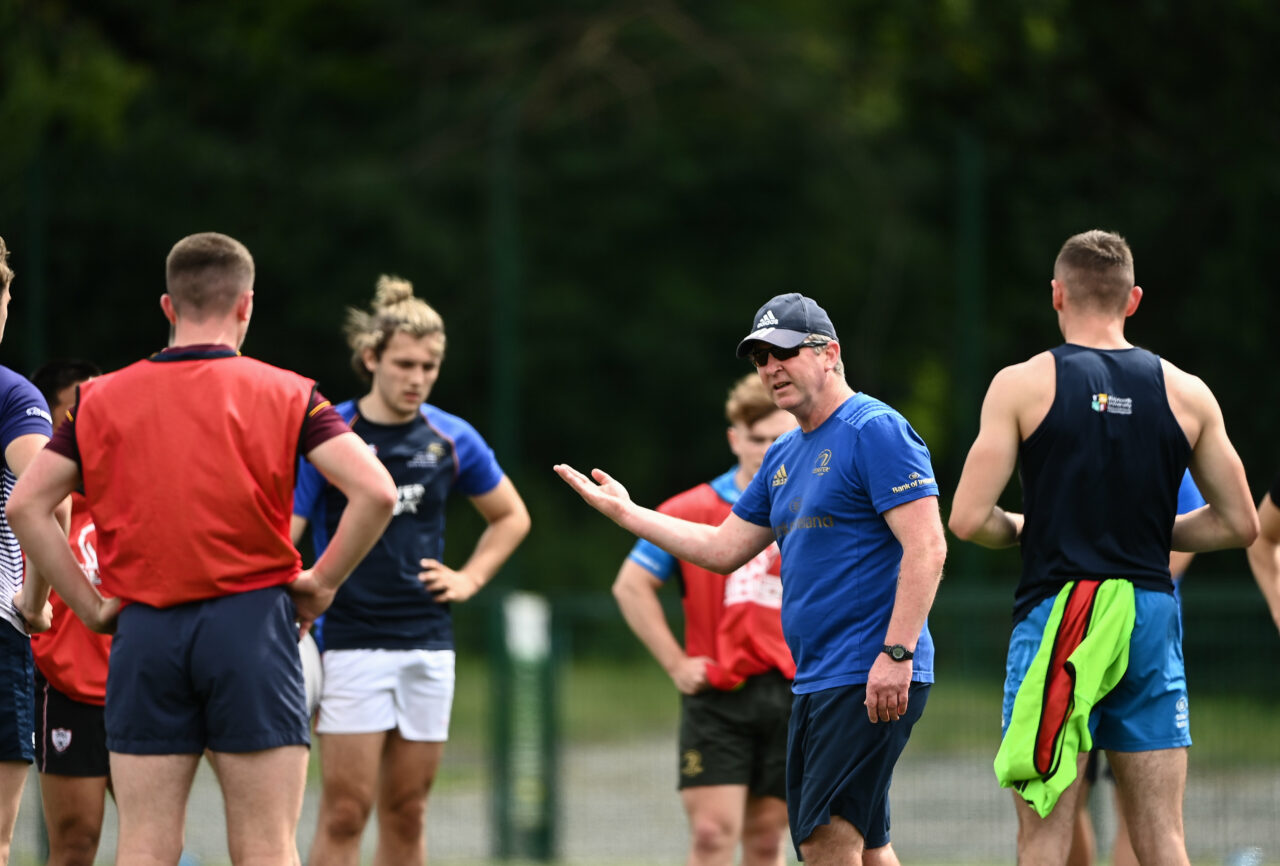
(222, 674)
(1147, 710)
(17, 688)
(838, 763)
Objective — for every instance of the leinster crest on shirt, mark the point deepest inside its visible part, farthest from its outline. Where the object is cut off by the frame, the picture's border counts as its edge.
(61, 738)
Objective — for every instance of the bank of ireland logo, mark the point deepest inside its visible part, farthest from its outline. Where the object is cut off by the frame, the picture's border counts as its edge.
(61, 739)
(1110, 404)
(822, 466)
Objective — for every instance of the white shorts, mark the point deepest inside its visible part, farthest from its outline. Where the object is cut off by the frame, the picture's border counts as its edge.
(371, 690)
(312, 672)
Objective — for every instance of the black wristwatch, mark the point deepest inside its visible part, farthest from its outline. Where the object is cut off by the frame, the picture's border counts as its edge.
(897, 652)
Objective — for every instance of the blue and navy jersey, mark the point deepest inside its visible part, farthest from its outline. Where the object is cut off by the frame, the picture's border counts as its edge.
(383, 605)
(22, 411)
(1100, 476)
(824, 494)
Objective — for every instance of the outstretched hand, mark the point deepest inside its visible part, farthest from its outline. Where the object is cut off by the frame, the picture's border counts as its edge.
(604, 494)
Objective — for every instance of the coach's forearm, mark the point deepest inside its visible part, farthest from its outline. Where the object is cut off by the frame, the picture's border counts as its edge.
(918, 579)
(703, 545)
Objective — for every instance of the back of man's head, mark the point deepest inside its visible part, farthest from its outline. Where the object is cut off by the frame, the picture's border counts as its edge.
(206, 273)
(1097, 269)
(54, 377)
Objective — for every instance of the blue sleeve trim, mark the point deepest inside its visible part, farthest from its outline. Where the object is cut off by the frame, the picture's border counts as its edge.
(478, 469)
(654, 559)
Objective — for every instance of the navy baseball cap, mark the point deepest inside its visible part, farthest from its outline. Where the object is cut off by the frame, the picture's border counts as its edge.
(785, 321)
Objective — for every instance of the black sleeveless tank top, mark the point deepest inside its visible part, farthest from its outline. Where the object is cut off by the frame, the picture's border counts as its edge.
(1100, 476)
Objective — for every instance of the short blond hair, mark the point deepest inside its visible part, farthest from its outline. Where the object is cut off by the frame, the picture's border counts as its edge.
(206, 273)
(749, 401)
(394, 309)
(1096, 269)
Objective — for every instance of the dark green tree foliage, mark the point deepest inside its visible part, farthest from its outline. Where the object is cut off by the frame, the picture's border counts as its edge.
(671, 167)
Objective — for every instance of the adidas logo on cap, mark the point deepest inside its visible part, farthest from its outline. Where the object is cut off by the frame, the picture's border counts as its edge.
(767, 320)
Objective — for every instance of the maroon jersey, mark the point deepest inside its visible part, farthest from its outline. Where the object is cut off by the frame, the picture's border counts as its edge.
(188, 461)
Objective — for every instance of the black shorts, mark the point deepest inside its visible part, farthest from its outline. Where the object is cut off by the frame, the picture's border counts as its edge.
(737, 737)
(71, 738)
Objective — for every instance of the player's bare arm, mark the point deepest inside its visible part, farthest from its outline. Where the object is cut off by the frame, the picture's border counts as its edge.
(297, 528)
(721, 549)
(33, 513)
(1229, 519)
(1015, 404)
(636, 590)
(918, 527)
(1264, 555)
(346, 463)
(32, 601)
(508, 523)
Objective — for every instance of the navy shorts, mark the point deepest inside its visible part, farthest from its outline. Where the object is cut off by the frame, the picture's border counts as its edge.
(222, 674)
(17, 688)
(737, 737)
(71, 739)
(839, 763)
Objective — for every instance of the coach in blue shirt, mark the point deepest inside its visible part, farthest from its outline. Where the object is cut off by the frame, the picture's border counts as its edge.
(851, 499)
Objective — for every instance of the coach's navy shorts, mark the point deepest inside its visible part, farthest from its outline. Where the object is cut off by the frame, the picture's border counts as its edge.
(222, 674)
(17, 696)
(838, 763)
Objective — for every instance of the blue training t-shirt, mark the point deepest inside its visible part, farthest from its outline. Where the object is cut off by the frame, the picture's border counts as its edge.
(22, 411)
(824, 494)
(383, 605)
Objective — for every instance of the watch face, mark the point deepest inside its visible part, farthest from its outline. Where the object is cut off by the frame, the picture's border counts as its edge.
(898, 653)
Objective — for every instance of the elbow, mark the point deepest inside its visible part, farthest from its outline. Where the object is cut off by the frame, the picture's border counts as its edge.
(521, 524)
(1249, 530)
(384, 498)
(962, 526)
(16, 511)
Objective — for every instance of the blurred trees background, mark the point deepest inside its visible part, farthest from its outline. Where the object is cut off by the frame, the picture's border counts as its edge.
(597, 197)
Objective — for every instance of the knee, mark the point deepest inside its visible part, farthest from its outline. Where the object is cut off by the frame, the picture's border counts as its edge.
(763, 845)
(882, 856)
(711, 833)
(73, 841)
(405, 819)
(345, 817)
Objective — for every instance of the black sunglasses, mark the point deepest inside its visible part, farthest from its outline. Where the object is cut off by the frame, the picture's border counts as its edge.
(760, 354)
